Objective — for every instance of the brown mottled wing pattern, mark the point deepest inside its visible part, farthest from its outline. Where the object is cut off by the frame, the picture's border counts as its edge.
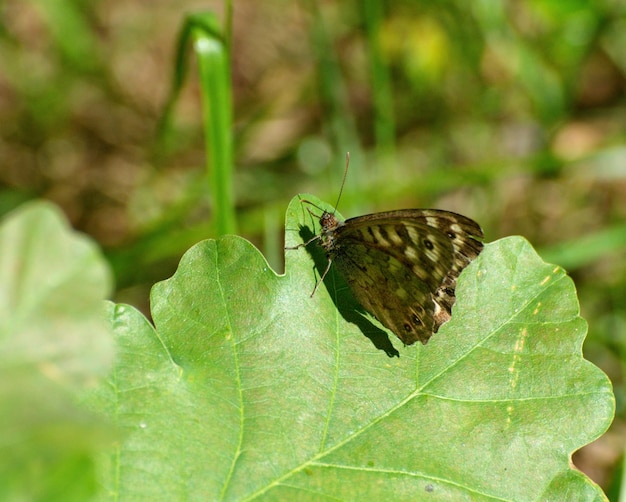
(402, 266)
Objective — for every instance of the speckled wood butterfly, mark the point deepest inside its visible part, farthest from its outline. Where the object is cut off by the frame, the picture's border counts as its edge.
(402, 266)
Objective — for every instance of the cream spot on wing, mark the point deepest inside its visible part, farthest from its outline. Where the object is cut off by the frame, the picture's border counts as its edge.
(432, 221)
(413, 234)
(393, 235)
(433, 254)
(411, 253)
(366, 236)
(379, 238)
(456, 228)
(438, 308)
(420, 272)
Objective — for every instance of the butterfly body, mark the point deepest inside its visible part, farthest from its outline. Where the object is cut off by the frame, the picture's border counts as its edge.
(402, 266)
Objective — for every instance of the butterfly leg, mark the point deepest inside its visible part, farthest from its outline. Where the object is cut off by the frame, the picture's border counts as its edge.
(304, 244)
(321, 278)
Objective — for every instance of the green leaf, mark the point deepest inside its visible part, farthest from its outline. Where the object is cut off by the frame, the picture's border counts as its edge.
(249, 388)
(53, 345)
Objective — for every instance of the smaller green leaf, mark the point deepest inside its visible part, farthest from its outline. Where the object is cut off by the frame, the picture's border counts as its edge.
(53, 345)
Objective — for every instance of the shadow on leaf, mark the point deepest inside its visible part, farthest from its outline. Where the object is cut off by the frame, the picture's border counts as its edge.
(341, 296)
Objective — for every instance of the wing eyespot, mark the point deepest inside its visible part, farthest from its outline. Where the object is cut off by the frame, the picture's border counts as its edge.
(428, 244)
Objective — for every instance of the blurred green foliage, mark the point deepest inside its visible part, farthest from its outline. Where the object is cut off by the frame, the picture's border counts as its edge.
(509, 112)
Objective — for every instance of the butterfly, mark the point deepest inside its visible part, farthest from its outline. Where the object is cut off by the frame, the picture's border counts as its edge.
(402, 266)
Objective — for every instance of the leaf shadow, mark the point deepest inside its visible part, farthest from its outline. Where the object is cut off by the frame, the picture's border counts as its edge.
(341, 296)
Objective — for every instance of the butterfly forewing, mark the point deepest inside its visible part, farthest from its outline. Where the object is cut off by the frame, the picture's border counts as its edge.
(402, 266)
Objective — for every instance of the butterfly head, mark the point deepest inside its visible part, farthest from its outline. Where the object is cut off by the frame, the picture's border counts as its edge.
(328, 222)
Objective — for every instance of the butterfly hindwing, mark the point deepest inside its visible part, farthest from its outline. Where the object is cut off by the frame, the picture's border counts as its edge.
(392, 293)
(402, 266)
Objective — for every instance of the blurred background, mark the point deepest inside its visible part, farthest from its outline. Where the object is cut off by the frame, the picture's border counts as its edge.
(512, 113)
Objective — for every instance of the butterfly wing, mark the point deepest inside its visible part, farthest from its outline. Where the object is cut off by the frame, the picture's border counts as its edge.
(402, 266)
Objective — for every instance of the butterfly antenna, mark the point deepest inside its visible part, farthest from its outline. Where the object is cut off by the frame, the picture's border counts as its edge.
(343, 181)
